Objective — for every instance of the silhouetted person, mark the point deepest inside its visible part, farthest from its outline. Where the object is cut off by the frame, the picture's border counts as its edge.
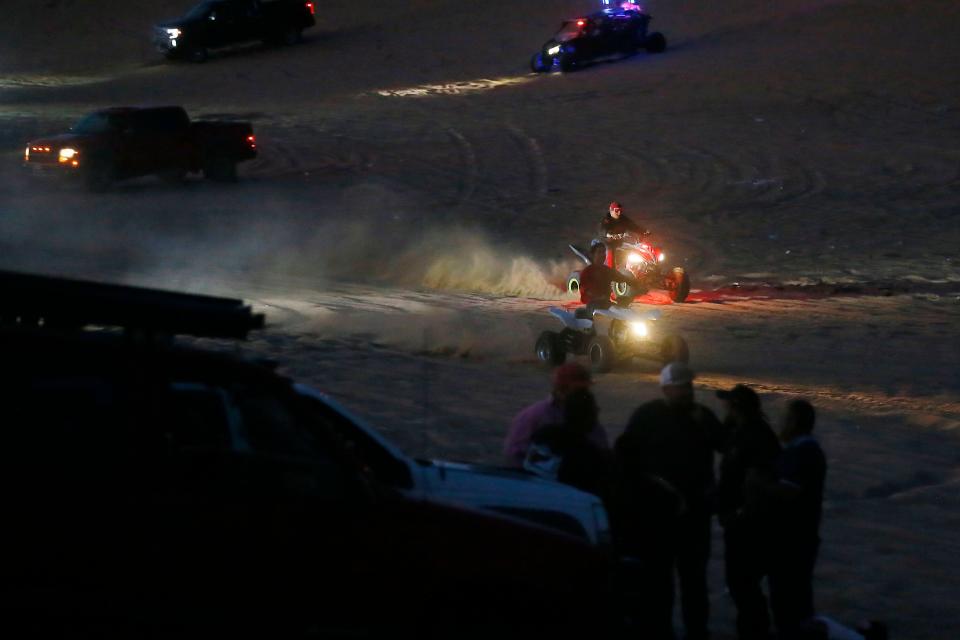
(597, 278)
(565, 451)
(672, 441)
(566, 378)
(751, 448)
(801, 470)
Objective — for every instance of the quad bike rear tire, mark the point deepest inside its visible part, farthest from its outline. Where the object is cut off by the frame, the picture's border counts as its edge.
(550, 350)
(678, 284)
(537, 65)
(674, 348)
(601, 353)
(656, 43)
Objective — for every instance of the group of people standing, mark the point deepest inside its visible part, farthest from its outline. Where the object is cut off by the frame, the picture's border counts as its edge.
(660, 483)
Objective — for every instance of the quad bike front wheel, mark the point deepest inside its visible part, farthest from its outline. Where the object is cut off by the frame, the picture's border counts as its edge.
(677, 284)
(601, 353)
(573, 283)
(549, 349)
(537, 65)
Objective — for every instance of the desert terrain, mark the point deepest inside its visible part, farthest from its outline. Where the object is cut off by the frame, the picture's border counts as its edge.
(405, 225)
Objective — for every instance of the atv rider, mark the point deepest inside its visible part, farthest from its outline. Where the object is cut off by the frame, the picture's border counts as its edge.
(596, 278)
(615, 226)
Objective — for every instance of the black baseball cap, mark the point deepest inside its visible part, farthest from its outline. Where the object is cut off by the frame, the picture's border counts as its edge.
(741, 396)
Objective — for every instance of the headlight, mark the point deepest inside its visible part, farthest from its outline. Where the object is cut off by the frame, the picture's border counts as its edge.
(67, 154)
(639, 329)
(26, 153)
(634, 258)
(173, 34)
(662, 257)
(553, 50)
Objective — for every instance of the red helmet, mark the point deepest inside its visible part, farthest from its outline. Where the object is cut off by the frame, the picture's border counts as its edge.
(615, 205)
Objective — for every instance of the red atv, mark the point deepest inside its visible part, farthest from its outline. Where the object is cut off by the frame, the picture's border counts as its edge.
(644, 262)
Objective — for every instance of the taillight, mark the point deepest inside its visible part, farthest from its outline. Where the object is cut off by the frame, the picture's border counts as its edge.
(311, 8)
(252, 141)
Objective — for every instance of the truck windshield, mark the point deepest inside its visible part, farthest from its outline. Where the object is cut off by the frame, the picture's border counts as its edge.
(569, 31)
(201, 11)
(93, 123)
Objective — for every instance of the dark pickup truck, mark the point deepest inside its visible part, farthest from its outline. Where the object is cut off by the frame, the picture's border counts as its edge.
(213, 24)
(129, 142)
(158, 489)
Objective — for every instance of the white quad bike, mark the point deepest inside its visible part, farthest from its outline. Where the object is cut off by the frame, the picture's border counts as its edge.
(607, 337)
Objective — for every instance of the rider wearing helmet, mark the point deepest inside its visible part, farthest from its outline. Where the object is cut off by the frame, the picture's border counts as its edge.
(596, 278)
(615, 225)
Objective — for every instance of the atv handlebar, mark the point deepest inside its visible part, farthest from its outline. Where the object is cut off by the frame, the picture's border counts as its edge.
(622, 236)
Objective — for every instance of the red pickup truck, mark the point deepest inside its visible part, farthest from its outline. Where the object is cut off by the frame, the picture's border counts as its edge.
(128, 142)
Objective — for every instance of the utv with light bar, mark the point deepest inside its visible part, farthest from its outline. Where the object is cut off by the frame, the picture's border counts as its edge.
(601, 35)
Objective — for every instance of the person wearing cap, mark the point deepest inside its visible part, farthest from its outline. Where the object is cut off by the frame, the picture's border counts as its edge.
(566, 378)
(564, 452)
(672, 440)
(751, 450)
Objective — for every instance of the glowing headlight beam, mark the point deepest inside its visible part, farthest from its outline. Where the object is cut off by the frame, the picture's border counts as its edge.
(553, 50)
(67, 153)
(452, 88)
(639, 329)
(662, 257)
(173, 33)
(634, 258)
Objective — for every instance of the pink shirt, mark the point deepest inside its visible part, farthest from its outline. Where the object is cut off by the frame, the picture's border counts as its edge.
(537, 415)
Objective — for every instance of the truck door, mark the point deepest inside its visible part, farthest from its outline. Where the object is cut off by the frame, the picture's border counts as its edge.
(592, 44)
(319, 533)
(131, 153)
(222, 24)
(621, 34)
(162, 139)
(252, 21)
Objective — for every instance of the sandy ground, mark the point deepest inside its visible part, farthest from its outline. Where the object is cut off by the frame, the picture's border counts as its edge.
(405, 225)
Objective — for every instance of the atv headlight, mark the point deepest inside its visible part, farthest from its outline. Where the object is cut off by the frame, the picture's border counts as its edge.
(634, 258)
(639, 329)
(173, 34)
(554, 50)
(662, 257)
(67, 154)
